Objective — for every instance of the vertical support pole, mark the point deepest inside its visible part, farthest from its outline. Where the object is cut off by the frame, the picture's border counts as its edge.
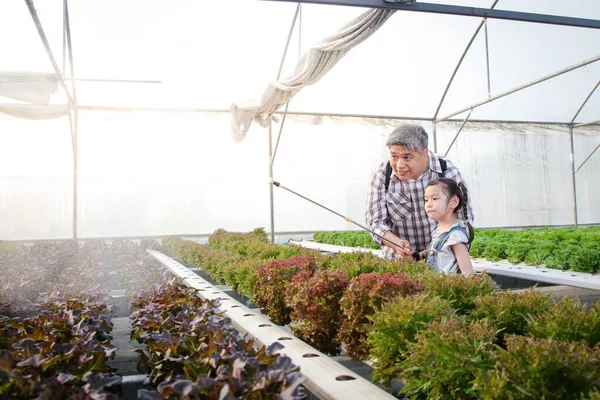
(72, 117)
(434, 136)
(72, 98)
(74, 127)
(574, 182)
(271, 207)
(75, 120)
(487, 58)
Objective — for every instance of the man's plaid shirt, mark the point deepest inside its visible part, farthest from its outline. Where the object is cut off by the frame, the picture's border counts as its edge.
(402, 209)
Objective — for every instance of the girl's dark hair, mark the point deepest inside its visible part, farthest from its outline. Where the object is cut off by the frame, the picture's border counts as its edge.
(451, 188)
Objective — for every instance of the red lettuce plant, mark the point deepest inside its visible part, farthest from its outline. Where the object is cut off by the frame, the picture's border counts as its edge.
(193, 352)
(62, 353)
(315, 300)
(365, 294)
(272, 281)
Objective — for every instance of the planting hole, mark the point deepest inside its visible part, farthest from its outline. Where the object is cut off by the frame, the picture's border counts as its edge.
(264, 325)
(201, 290)
(285, 338)
(234, 306)
(544, 271)
(310, 355)
(248, 315)
(224, 298)
(216, 292)
(344, 378)
(573, 275)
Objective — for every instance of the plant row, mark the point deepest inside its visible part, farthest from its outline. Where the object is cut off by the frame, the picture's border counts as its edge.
(55, 319)
(61, 353)
(193, 352)
(347, 238)
(313, 291)
(441, 334)
(576, 249)
(505, 346)
(31, 273)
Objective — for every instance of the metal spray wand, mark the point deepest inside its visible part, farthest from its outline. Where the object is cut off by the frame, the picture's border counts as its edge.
(279, 185)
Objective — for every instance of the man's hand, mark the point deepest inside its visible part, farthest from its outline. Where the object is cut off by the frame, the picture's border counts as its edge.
(400, 246)
(404, 249)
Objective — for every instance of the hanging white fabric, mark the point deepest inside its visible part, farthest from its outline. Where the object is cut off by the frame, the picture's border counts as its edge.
(309, 69)
(32, 87)
(32, 111)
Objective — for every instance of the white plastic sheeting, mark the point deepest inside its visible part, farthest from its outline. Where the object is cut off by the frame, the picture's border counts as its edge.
(151, 173)
(34, 111)
(33, 88)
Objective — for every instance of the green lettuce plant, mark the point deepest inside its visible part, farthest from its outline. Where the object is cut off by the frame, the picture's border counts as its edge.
(509, 311)
(568, 320)
(531, 368)
(395, 326)
(365, 294)
(347, 238)
(458, 289)
(586, 259)
(445, 358)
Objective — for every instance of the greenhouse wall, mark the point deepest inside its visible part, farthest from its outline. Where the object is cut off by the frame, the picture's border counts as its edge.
(147, 173)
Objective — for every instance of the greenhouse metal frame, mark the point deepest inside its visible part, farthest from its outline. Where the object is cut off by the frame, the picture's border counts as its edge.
(484, 14)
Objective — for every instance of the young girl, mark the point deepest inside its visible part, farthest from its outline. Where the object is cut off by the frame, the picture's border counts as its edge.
(450, 242)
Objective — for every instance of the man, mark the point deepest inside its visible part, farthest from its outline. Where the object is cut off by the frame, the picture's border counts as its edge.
(398, 213)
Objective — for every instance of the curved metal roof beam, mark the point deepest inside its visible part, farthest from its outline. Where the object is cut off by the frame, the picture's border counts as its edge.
(588, 157)
(287, 45)
(584, 102)
(457, 133)
(462, 11)
(518, 88)
(42, 35)
(437, 110)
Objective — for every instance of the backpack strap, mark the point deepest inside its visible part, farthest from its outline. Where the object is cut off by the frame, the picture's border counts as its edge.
(444, 166)
(388, 175)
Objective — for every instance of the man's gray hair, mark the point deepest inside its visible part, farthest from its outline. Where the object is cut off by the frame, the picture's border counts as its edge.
(413, 137)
